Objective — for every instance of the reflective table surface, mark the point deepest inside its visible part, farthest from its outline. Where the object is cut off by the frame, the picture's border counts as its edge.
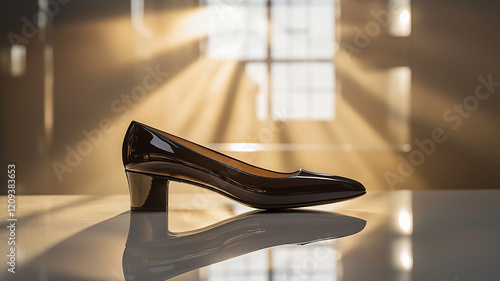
(393, 235)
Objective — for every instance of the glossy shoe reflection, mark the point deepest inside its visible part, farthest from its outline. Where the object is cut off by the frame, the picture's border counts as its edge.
(152, 158)
(154, 253)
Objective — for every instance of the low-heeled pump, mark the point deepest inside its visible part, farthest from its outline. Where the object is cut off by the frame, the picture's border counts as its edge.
(152, 158)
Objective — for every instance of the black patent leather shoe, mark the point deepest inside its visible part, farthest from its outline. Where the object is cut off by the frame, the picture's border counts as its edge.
(152, 158)
(153, 252)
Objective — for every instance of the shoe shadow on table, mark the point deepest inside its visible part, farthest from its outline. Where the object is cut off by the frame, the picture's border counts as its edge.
(152, 252)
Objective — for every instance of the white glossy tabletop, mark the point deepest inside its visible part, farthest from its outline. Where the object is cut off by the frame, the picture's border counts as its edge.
(396, 235)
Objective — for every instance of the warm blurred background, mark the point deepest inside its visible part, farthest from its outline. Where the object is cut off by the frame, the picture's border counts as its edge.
(396, 94)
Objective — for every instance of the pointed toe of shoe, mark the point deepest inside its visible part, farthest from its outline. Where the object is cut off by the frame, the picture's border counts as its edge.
(325, 188)
(354, 188)
(341, 188)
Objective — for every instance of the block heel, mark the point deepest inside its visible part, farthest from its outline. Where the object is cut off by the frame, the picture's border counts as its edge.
(147, 192)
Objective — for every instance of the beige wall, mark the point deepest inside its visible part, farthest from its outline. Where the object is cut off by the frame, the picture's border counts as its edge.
(108, 71)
